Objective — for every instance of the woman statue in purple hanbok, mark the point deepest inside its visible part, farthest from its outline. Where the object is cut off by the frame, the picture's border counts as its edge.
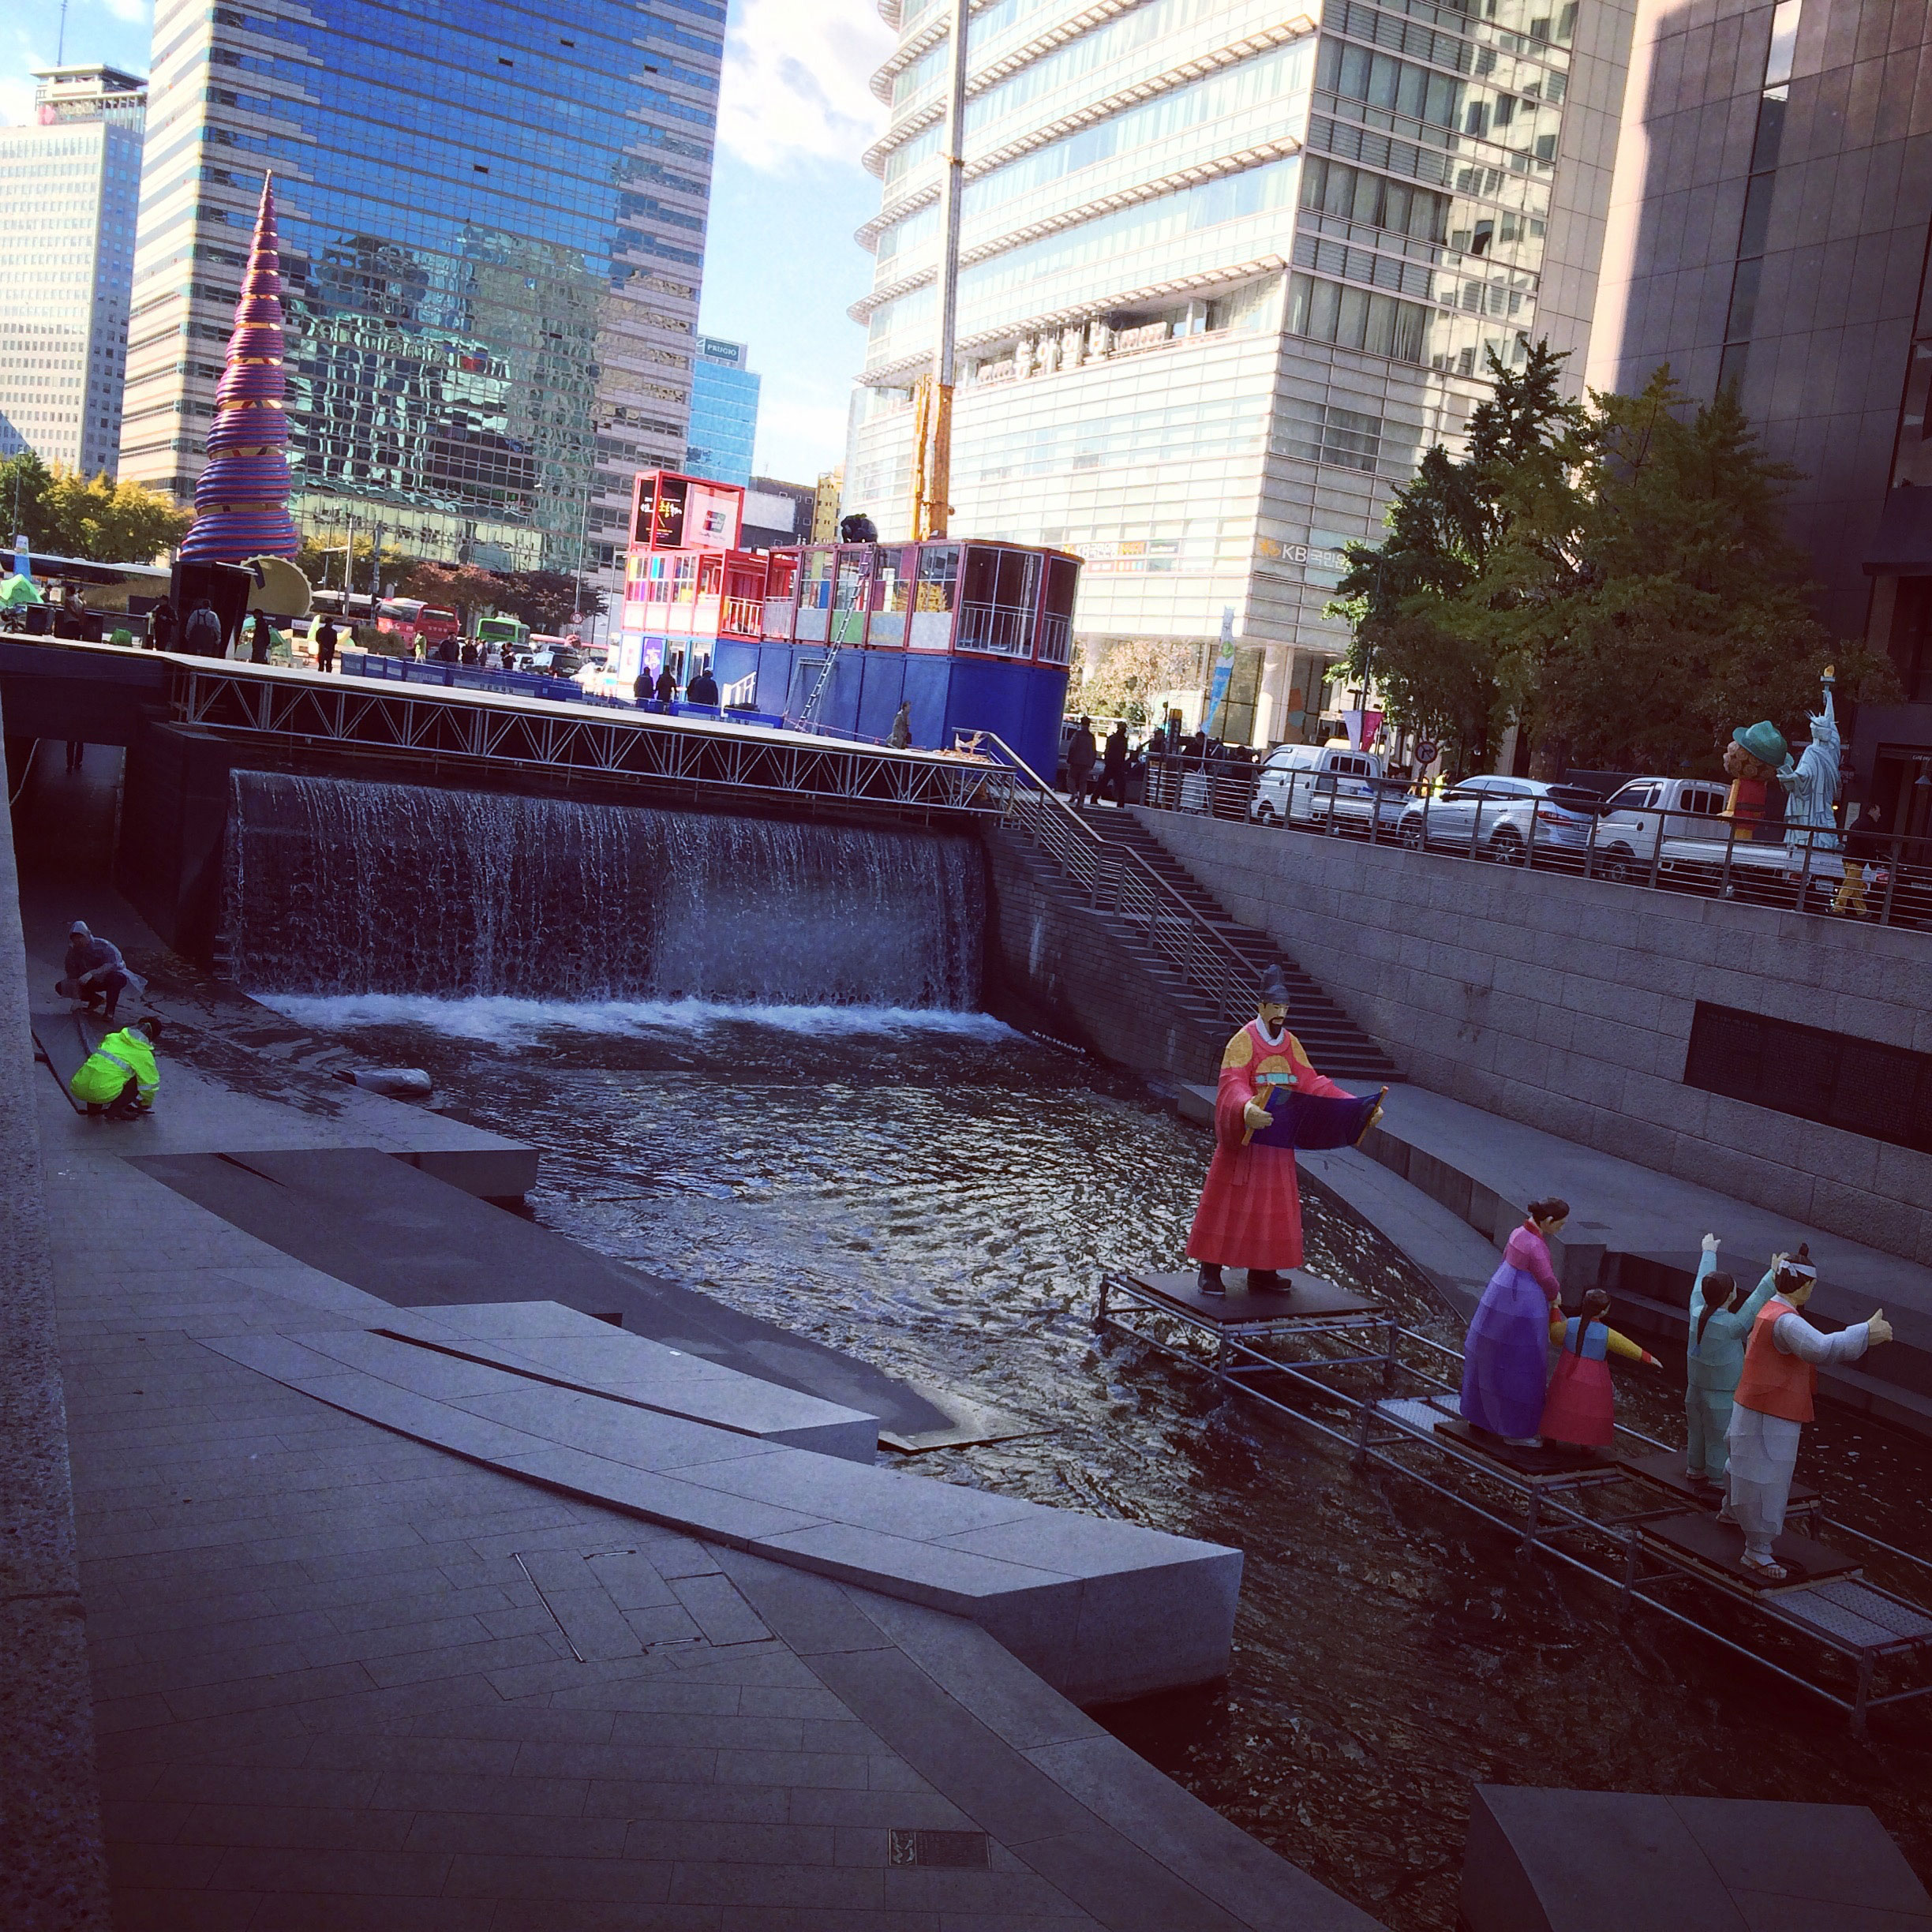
(1506, 1356)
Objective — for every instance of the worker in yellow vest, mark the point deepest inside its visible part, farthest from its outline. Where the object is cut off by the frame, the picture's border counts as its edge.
(1773, 1403)
(119, 1077)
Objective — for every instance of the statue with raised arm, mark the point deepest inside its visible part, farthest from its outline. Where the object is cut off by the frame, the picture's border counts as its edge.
(1810, 786)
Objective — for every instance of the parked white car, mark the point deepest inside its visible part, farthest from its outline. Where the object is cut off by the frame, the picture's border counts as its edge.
(1645, 815)
(1491, 817)
(1307, 785)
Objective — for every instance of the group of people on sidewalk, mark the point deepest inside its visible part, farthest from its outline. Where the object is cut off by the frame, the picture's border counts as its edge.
(1752, 1362)
(1093, 769)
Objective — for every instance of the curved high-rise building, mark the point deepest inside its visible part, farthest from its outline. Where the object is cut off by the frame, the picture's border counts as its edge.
(1228, 267)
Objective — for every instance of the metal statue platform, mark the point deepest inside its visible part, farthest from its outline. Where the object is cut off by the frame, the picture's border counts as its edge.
(1716, 1550)
(1664, 1470)
(1342, 1366)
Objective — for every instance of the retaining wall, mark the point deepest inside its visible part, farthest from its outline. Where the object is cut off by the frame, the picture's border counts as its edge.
(1567, 1003)
(52, 1874)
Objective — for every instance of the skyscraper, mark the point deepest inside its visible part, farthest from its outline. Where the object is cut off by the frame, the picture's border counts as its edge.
(1768, 232)
(1225, 275)
(68, 183)
(724, 407)
(491, 240)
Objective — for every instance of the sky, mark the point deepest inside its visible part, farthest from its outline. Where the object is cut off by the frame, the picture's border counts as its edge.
(781, 265)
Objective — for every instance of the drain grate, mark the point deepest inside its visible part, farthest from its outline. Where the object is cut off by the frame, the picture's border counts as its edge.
(959, 1849)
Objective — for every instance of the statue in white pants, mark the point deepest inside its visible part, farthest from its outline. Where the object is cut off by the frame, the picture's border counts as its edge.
(1773, 1403)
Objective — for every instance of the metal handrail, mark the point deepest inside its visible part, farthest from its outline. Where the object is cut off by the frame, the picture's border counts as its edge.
(1798, 867)
(1117, 880)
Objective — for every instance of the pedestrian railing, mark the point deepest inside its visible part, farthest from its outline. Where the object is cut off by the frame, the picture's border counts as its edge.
(462, 730)
(1820, 871)
(1118, 882)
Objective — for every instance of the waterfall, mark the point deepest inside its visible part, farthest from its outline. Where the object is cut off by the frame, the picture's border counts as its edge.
(343, 886)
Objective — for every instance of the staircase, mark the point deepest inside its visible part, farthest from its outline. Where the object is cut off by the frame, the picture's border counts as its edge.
(1337, 1045)
(1149, 913)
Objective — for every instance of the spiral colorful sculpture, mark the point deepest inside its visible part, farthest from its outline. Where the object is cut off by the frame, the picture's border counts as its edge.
(241, 499)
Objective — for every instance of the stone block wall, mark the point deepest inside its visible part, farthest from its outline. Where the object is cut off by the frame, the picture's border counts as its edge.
(1057, 965)
(1567, 1003)
(53, 1872)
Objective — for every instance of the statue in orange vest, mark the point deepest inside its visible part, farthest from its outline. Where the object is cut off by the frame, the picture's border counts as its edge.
(1773, 1403)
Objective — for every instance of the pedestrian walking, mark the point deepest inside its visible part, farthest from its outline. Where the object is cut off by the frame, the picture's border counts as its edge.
(702, 689)
(162, 625)
(201, 636)
(1865, 847)
(1080, 755)
(666, 686)
(258, 639)
(900, 738)
(1113, 767)
(325, 646)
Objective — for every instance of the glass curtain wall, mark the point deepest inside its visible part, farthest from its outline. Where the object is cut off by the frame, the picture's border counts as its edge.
(492, 241)
(1226, 273)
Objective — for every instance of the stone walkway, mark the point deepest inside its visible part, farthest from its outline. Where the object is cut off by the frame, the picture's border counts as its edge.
(344, 1679)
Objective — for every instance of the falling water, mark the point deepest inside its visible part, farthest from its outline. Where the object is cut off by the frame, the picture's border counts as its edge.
(343, 886)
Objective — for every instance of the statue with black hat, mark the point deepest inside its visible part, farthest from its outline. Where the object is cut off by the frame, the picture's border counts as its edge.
(1269, 1102)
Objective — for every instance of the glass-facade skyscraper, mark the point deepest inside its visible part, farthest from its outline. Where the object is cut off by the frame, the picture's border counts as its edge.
(69, 181)
(492, 229)
(1227, 269)
(724, 407)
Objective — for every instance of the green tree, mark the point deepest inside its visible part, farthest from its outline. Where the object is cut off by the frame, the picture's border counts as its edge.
(1123, 682)
(1614, 576)
(545, 599)
(1675, 607)
(111, 523)
(1429, 605)
(460, 587)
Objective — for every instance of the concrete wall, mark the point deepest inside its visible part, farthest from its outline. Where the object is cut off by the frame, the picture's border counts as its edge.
(1566, 1003)
(53, 1875)
(1052, 964)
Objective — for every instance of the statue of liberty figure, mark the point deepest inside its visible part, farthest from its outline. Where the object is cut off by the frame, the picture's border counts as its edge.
(1810, 786)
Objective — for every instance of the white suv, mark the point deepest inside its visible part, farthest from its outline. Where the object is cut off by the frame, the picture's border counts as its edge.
(1490, 817)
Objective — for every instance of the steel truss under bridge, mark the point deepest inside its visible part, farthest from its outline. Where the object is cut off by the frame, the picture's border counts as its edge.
(484, 731)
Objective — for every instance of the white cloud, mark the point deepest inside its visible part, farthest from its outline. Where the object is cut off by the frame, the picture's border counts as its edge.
(797, 80)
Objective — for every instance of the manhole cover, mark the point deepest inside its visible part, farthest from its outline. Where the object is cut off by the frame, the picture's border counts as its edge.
(957, 1849)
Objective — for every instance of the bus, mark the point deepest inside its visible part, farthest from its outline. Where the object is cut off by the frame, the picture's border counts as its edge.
(411, 622)
(505, 631)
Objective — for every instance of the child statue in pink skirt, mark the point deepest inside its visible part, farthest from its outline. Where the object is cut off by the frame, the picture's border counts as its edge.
(1581, 1407)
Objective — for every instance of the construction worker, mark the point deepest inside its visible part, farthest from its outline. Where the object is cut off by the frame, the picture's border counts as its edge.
(119, 1077)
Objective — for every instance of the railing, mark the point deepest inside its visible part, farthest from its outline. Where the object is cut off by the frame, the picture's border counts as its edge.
(1003, 630)
(461, 730)
(1120, 882)
(1822, 872)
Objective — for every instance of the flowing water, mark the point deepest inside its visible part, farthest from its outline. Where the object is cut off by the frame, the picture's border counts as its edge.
(938, 1195)
(749, 1055)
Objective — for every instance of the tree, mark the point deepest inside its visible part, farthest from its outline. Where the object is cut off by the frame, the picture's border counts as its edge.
(1124, 682)
(61, 512)
(1678, 606)
(1614, 576)
(545, 599)
(109, 523)
(1424, 604)
(464, 588)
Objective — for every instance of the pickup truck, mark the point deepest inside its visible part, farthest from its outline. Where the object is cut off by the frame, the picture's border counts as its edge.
(1678, 825)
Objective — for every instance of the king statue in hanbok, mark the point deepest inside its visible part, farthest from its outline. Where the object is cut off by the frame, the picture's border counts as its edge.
(1269, 1101)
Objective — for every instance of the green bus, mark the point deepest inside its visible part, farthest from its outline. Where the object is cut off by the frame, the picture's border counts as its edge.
(506, 631)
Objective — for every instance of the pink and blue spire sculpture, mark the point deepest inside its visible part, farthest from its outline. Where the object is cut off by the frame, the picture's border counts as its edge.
(241, 499)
